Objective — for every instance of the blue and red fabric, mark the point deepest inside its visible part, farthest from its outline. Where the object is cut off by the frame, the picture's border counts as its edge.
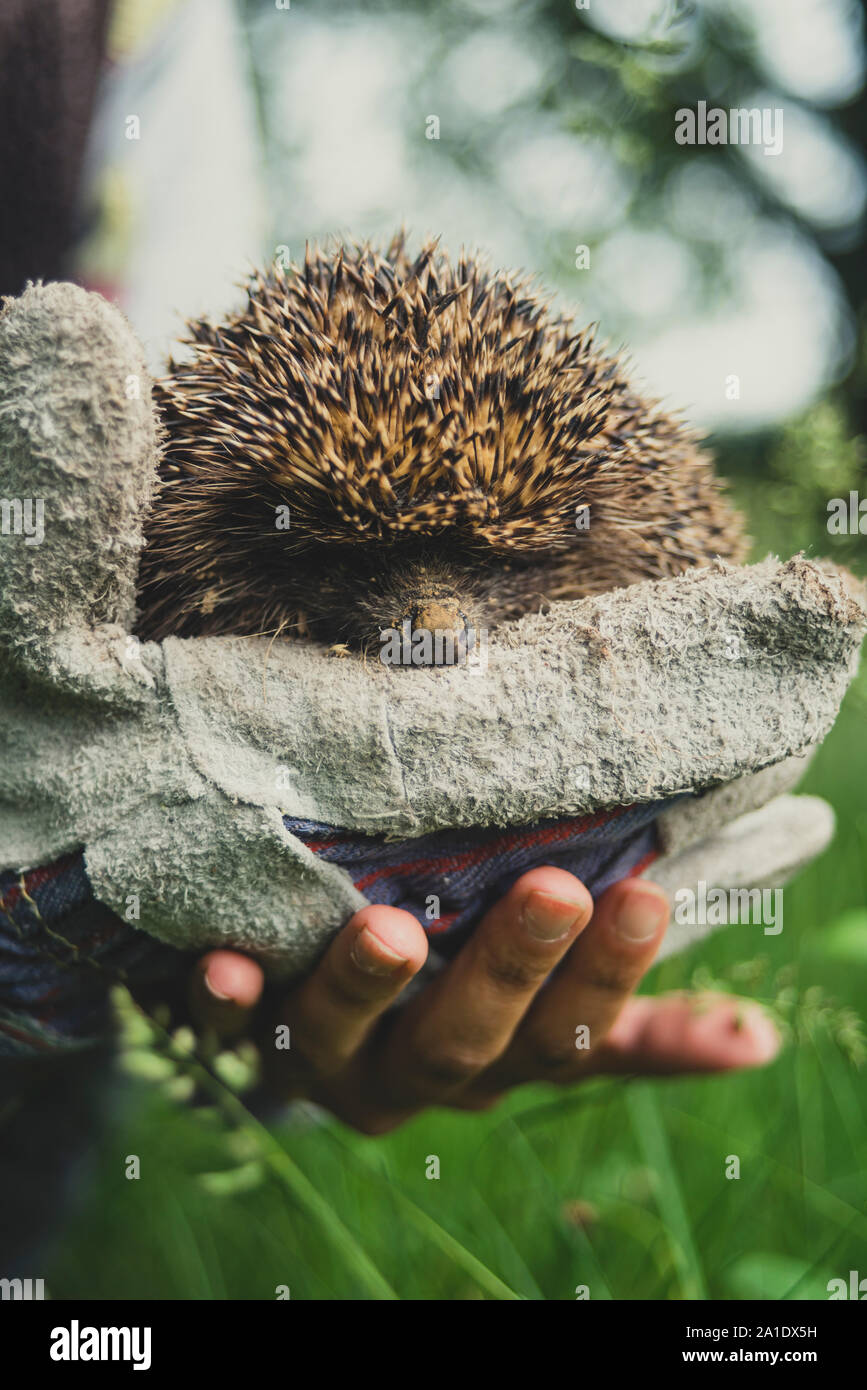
(465, 871)
(61, 950)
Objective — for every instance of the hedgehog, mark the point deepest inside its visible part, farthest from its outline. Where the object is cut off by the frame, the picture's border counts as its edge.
(380, 443)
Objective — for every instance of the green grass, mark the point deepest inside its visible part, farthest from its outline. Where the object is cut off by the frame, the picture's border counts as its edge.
(617, 1187)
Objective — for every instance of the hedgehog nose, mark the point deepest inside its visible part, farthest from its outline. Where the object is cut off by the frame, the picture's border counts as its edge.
(447, 627)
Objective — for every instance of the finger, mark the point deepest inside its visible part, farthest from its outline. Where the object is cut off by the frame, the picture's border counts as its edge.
(675, 1035)
(224, 991)
(570, 1019)
(465, 1018)
(679, 1034)
(364, 970)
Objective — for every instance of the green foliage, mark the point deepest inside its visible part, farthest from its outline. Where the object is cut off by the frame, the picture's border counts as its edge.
(813, 459)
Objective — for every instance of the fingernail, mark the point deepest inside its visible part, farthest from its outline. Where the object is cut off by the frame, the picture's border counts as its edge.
(763, 1033)
(639, 916)
(216, 993)
(373, 956)
(548, 918)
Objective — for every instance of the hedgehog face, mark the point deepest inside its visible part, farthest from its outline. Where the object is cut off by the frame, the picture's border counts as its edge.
(362, 601)
(374, 441)
(411, 592)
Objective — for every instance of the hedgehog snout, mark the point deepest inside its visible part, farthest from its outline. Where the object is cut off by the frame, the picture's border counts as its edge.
(442, 618)
(430, 603)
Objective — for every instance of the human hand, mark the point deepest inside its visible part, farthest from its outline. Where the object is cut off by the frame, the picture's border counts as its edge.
(494, 1018)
